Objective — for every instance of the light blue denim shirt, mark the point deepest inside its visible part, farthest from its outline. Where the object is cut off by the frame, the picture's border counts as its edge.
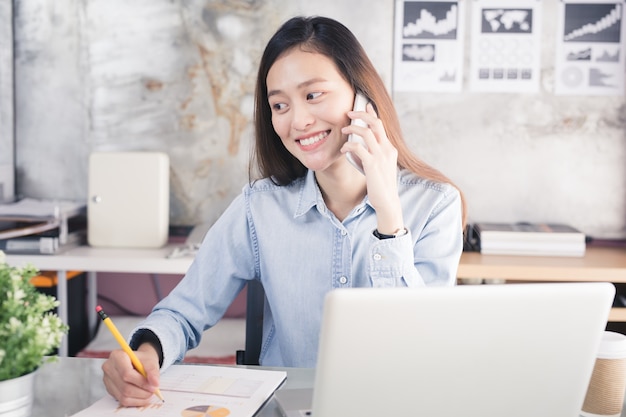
(286, 237)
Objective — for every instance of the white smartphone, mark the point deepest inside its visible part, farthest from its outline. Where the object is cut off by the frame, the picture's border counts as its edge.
(359, 105)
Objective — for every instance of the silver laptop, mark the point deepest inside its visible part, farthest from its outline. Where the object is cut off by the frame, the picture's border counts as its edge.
(514, 350)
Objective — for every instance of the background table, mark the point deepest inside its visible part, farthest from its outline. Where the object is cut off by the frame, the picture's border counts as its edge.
(599, 264)
(607, 264)
(93, 260)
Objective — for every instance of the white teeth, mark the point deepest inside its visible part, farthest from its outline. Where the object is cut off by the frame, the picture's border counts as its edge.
(313, 139)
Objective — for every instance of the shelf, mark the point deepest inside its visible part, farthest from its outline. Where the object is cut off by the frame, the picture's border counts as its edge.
(618, 314)
(600, 264)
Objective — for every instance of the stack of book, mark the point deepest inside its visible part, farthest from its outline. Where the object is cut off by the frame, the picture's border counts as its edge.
(32, 226)
(533, 239)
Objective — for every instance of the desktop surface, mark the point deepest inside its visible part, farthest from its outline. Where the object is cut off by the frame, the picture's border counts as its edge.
(87, 258)
(82, 386)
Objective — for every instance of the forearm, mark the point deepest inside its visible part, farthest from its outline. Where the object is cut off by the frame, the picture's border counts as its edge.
(389, 218)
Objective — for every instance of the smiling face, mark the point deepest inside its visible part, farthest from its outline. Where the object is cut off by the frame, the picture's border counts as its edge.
(309, 100)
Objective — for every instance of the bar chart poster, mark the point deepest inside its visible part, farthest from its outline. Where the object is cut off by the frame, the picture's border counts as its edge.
(590, 48)
(506, 46)
(428, 46)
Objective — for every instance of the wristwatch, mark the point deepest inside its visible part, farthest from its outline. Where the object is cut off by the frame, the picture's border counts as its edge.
(397, 233)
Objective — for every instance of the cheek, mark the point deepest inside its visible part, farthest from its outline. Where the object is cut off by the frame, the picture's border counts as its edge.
(281, 126)
(335, 113)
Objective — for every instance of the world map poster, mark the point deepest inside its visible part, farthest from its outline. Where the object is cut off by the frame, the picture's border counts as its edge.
(506, 48)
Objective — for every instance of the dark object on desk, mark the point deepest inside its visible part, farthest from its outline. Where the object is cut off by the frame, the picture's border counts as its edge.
(78, 336)
(532, 239)
(50, 241)
(470, 239)
(255, 303)
(40, 244)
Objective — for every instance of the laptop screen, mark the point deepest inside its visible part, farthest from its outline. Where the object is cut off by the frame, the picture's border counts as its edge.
(514, 350)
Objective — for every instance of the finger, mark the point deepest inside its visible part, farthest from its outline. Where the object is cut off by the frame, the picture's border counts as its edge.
(372, 122)
(369, 108)
(363, 116)
(358, 114)
(124, 382)
(148, 356)
(153, 374)
(355, 148)
(128, 395)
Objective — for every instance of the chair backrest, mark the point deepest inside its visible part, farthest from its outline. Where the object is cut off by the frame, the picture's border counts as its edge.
(255, 303)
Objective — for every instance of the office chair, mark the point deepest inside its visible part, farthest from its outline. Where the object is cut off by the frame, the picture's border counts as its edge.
(255, 303)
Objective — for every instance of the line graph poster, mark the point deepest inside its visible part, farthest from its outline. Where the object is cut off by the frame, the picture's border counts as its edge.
(590, 48)
(506, 46)
(428, 46)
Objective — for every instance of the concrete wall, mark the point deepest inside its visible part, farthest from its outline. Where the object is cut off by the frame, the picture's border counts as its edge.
(7, 117)
(179, 77)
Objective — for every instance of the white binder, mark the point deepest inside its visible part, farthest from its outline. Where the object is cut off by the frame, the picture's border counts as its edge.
(128, 199)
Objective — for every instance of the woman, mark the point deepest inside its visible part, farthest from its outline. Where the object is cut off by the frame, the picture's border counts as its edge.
(312, 222)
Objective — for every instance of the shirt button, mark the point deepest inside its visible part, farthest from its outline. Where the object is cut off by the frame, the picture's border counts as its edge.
(343, 280)
(378, 257)
(343, 233)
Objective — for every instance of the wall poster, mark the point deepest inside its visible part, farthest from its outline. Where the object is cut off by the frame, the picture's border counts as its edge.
(506, 46)
(428, 46)
(590, 48)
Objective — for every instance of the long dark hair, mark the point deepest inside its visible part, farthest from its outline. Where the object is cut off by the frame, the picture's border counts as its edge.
(330, 38)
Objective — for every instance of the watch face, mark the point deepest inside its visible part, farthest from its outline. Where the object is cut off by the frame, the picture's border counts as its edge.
(401, 232)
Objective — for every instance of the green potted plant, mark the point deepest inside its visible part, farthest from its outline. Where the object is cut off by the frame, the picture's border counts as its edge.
(29, 334)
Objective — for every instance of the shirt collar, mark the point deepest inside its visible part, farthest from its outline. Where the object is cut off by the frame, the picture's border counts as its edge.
(310, 196)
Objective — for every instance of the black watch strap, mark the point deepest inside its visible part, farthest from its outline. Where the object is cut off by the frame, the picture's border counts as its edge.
(400, 232)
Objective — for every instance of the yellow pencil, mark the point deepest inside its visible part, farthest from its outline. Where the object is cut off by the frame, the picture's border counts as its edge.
(118, 336)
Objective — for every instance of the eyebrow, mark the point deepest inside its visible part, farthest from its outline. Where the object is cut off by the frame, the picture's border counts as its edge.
(301, 85)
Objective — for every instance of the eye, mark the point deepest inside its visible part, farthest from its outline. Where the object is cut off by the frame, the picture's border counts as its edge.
(313, 96)
(278, 107)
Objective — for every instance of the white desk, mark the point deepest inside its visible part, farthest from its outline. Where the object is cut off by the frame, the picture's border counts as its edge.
(598, 264)
(82, 386)
(93, 260)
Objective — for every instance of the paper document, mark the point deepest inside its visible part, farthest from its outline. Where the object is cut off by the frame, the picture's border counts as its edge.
(199, 391)
(30, 207)
(29, 217)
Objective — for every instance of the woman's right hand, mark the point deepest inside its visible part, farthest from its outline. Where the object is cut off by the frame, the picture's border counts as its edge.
(125, 383)
(380, 164)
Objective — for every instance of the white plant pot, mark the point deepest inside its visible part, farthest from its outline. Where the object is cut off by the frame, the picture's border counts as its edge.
(16, 396)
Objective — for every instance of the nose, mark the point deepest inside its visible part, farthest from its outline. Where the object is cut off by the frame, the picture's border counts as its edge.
(302, 117)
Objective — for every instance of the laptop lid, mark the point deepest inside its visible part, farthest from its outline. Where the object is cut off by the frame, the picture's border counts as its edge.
(514, 350)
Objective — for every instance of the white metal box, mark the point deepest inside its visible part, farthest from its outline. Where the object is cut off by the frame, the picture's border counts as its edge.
(128, 203)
